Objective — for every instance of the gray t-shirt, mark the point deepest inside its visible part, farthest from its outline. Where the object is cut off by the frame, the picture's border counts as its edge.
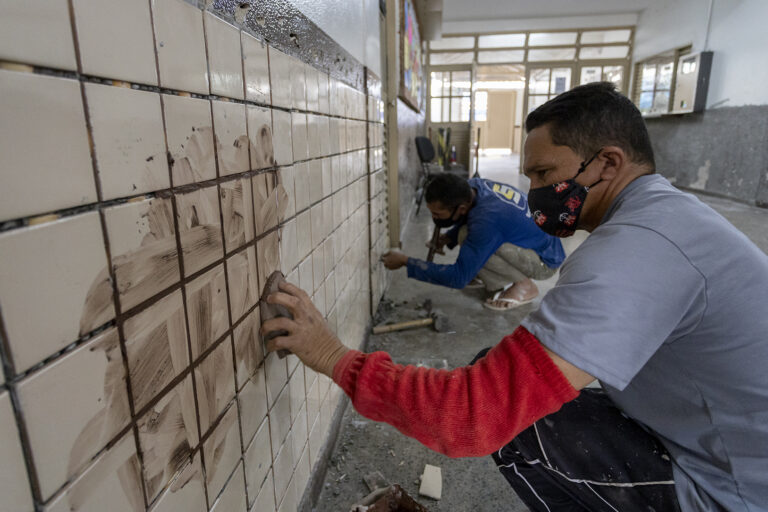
(666, 303)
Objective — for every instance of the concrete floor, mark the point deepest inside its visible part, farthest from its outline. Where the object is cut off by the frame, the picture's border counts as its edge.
(468, 484)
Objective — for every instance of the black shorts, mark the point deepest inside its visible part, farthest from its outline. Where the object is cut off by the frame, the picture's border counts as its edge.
(589, 456)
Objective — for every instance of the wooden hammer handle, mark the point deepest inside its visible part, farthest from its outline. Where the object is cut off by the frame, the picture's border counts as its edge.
(379, 329)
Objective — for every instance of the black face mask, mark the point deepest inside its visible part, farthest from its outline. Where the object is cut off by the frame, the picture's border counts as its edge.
(556, 208)
(446, 223)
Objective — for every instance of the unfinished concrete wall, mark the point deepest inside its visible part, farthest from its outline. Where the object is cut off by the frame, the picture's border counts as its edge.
(153, 174)
(722, 150)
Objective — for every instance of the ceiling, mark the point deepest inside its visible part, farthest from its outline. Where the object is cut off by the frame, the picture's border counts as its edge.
(466, 10)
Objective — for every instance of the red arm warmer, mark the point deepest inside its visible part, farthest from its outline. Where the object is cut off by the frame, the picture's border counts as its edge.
(469, 411)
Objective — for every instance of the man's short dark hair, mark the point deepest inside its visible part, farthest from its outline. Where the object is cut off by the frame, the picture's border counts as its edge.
(449, 189)
(592, 116)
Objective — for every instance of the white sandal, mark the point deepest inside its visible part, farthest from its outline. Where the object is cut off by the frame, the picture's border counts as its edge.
(497, 297)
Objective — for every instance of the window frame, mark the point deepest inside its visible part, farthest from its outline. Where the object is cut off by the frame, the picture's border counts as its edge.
(657, 60)
(450, 96)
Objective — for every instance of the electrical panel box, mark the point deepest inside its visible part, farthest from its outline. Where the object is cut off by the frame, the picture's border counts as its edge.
(692, 82)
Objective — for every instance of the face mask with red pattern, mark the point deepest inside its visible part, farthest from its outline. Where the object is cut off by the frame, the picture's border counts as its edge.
(556, 208)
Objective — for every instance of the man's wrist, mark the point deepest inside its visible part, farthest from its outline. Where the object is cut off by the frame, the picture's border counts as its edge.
(336, 355)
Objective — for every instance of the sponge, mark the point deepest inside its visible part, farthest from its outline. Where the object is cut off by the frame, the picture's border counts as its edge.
(270, 311)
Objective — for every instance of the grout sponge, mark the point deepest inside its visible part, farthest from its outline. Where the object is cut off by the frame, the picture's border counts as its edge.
(269, 311)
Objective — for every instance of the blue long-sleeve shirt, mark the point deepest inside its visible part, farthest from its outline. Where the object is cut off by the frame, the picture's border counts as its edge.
(499, 215)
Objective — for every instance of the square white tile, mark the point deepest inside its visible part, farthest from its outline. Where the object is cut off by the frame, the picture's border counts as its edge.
(128, 138)
(313, 104)
(156, 347)
(281, 137)
(199, 228)
(125, 54)
(185, 492)
(180, 43)
(315, 180)
(288, 253)
(230, 129)
(233, 495)
(322, 92)
(237, 212)
(37, 32)
(93, 373)
(280, 417)
(313, 135)
(110, 483)
(280, 66)
(14, 485)
(207, 309)
(189, 132)
(249, 354)
(215, 382)
(276, 373)
(31, 170)
(283, 469)
(142, 241)
(256, 67)
(167, 435)
(253, 405)
(301, 185)
(260, 134)
(57, 271)
(258, 459)
(222, 452)
(299, 136)
(265, 500)
(224, 57)
(298, 85)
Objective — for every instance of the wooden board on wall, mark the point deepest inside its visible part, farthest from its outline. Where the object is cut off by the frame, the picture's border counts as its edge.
(411, 70)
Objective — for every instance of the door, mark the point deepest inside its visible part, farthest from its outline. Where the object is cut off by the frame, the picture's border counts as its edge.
(501, 119)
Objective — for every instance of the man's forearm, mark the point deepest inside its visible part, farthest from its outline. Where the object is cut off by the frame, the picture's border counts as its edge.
(469, 411)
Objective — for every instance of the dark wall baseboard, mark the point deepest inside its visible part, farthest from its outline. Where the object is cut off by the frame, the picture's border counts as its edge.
(722, 152)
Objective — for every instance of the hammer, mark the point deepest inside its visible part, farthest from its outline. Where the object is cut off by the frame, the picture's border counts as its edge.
(436, 320)
(433, 245)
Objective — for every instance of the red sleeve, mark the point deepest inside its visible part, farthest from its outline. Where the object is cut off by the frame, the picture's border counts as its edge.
(466, 412)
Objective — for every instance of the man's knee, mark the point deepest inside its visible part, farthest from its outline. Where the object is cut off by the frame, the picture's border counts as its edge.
(480, 355)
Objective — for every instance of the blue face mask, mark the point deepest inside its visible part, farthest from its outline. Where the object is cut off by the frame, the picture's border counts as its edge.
(556, 208)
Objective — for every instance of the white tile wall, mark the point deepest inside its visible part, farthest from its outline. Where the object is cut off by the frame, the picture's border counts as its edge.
(189, 172)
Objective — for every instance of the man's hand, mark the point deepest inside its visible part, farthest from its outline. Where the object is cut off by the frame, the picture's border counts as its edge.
(394, 260)
(308, 335)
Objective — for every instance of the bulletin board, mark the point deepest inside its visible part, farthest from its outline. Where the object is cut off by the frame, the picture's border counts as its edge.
(411, 71)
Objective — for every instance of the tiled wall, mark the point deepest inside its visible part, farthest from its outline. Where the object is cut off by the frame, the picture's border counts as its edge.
(156, 163)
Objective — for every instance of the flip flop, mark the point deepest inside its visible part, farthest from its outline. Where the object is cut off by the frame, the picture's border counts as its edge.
(497, 297)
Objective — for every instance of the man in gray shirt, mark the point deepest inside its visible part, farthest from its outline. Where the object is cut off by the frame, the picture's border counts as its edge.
(665, 303)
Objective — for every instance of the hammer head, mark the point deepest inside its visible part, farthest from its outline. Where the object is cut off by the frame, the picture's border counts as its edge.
(439, 321)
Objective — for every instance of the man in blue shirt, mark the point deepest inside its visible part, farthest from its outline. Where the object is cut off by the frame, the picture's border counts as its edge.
(500, 244)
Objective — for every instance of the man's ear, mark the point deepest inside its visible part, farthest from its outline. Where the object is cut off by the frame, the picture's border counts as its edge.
(611, 160)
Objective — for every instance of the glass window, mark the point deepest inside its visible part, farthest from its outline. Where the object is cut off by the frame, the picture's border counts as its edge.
(614, 74)
(604, 52)
(501, 41)
(605, 36)
(551, 38)
(664, 77)
(453, 43)
(461, 83)
(439, 59)
(436, 111)
(446, 106)
(539, 81)
(481, 106)
(561, 81)
(436, 83)
(590, 74)
(535, 101)
(459, 110)
(649, 77)
(487, 57)
(551, 54)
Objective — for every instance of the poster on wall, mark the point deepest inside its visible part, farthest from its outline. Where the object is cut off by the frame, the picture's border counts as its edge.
(411, 72)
